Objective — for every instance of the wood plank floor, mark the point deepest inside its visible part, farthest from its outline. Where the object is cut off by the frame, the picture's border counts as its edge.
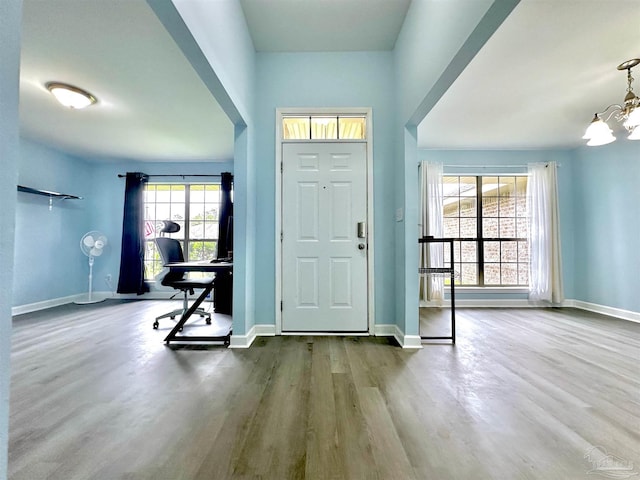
(525, 394)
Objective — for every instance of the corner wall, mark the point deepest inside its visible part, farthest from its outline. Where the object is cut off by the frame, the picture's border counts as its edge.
(48, 247)
(356, 79)
(606, 199)
(479, 160)
(436, 43)
(107, 202)
(47, 239)
(10, 28)
(219, 47)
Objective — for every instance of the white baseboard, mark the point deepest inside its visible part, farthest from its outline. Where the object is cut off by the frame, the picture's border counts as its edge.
(302, 333)
(385, 330)
(265, 330)
(483, 303)
(391, 330)
(43, 305)
(524, 303)
(56, 302)
(245, 341)
(154, 295)
(409, 341)
(605, 310)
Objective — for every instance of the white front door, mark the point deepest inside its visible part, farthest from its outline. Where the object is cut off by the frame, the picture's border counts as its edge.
(324, 253)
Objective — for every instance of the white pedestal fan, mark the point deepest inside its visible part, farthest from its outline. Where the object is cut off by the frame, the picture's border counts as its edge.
(92, 244)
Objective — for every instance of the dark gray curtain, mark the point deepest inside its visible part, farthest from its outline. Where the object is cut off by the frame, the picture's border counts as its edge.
(131, 278)
(225, 222)
(223, 287)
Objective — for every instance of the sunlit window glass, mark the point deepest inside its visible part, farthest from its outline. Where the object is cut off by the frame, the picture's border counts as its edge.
(324, 128)
(352, 128)
(195, 207)
(496, 254)
(296, 128)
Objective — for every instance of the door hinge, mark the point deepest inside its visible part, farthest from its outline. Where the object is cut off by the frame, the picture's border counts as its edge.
(281, 303)
(281, 167)
(281, 236)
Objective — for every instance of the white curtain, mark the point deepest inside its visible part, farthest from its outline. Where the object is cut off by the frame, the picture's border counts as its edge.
(431, 223)
(545, 263)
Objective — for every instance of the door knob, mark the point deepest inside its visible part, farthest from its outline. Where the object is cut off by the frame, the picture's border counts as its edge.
(361, 246)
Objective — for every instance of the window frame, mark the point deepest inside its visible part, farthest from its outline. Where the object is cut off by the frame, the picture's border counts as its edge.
(184, 235)
(480, 240)
(320, 117)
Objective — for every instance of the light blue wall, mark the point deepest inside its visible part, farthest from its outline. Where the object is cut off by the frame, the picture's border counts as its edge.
(431, 36)
(329, 79)
(220, 29)
(244, 232)
(107, 202)
(607, 224)
(49, 239)
(436, 43)
(566, 182)
(215, 39)
(406, 233)
(10, 25)
(325, 80)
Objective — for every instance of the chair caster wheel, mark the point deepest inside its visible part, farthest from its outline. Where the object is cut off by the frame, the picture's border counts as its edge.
(209, 321)
(173, 318)
(155, 325)
(180, 329)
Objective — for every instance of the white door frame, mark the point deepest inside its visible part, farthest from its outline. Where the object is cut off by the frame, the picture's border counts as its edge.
(280, 113)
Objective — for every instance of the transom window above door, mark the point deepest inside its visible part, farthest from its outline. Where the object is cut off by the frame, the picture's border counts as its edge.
(324, 127)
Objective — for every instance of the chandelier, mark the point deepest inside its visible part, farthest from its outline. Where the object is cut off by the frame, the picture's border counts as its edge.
(599, 133)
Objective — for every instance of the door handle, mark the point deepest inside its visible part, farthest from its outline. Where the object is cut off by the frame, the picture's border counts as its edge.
(362, 229)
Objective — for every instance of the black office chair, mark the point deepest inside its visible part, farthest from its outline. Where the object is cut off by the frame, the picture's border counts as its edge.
(171, 251)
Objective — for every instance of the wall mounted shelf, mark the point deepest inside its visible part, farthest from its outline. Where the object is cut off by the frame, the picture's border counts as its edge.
(47, 193)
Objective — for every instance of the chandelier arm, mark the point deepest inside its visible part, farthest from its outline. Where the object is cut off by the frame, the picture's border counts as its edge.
(598, 132)
(617, 106)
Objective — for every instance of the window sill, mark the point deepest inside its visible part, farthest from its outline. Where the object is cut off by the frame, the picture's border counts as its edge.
(490, 290)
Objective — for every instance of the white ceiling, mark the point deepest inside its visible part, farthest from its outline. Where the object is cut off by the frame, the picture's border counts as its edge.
(151, 106)
(324, 25)
(540, 78)
(535, 84)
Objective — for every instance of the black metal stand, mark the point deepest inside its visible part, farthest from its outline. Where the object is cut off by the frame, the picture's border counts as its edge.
(222, 267)
(443, 271)
(174, 337)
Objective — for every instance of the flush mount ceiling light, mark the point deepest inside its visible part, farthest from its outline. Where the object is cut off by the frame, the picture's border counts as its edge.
(599, 133)
(70, 96)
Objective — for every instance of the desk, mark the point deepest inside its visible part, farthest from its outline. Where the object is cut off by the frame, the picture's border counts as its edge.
(202, 266)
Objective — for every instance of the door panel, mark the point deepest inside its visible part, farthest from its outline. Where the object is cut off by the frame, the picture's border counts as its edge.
(308, 212)
(340, 283)
(341, 221)
(324, 272)
(307, 282)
